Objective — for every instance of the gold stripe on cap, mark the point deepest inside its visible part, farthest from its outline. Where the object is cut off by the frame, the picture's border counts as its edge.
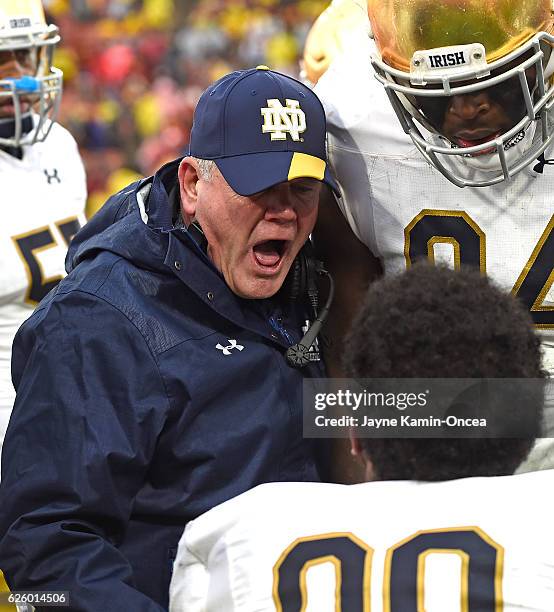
(303, 165)
(262, 67)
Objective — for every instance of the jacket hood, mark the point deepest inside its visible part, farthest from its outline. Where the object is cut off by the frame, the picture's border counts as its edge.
(134, 223)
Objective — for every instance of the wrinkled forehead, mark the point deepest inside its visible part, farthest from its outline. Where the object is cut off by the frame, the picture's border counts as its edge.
(402, 27)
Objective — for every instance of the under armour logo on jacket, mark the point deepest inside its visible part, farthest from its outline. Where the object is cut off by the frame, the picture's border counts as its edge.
(281, 120)
(52, 176)
(226, 350)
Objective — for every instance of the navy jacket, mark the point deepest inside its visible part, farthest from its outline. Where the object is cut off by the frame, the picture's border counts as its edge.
(136, 409)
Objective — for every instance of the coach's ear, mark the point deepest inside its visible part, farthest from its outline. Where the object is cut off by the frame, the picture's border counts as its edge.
(360, 453)
(188, 179)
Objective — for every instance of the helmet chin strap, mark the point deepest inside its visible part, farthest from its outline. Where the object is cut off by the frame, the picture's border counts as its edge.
(7, 126)
(514, 149)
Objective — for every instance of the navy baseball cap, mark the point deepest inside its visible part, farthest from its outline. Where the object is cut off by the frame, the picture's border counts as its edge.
(261, 128)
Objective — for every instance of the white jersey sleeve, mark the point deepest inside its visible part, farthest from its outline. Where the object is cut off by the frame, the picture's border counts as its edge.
(43, 203)
(190, 592)
(361, 127)
(477, 543)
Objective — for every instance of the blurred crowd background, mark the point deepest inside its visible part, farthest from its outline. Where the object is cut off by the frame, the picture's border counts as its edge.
(134, 69)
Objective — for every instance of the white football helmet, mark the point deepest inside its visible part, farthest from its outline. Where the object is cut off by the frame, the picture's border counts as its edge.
(31, 98)
(432, 50)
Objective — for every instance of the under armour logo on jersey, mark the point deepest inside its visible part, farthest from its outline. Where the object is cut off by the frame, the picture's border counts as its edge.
(226, 350)
(281, 120)
(53, 176)
(539, 168)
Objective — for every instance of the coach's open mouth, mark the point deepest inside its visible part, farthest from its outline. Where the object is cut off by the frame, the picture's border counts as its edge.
(269, 253)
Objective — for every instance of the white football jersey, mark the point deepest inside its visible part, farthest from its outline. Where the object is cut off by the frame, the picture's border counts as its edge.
(402, 208)
(43, 202)
(474, 544)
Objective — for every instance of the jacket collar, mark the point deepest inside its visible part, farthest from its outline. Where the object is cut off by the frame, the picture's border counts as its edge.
(191, 265)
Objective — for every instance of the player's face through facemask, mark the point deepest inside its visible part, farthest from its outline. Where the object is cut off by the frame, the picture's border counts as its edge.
(470, 81)
(30, 86)
(468, 120)
(17, 64)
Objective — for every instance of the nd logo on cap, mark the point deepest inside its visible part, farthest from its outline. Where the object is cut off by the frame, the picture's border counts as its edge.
(281, 120)
(261, 128)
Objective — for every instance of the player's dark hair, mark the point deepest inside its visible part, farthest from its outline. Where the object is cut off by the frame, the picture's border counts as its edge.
(432, 322)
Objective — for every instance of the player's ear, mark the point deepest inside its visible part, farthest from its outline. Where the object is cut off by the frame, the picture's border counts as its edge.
(355, 446)
(358, 451)
(188, 179)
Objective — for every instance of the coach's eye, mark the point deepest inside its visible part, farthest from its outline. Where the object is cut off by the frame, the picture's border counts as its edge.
(304, 186)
